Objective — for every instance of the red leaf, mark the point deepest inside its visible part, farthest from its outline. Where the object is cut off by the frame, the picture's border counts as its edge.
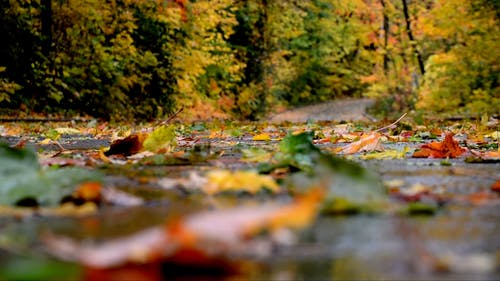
(447, 148)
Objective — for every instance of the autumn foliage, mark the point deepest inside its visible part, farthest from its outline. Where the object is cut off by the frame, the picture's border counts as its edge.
(144, 59)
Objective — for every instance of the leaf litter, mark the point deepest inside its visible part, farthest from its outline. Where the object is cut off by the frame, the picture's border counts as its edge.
(307, 167)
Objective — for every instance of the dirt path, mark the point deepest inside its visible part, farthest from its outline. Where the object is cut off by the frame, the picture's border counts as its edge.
(337, 110)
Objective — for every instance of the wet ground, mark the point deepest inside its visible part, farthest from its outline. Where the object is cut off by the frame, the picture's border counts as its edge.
(459, 242)
(339, 110)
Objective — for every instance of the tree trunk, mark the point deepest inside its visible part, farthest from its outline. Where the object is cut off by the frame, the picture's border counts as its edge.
(385, 27)
(46, 19)
(412, 39)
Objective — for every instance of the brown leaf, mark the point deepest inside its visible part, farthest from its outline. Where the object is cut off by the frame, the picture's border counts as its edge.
(447, 148)
(496, 186)
(127, 146)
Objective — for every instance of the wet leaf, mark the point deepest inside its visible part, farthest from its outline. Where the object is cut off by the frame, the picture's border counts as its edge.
(22, 177)
(249, 181)
(388, 154)
(88, 191)
(37, 269)
(127, 146)
(162, 139)
(447, 148)
(369, 142)
(419, 209)
(67, 131)
(195, 239)
(255, 154)
(496, 186)
(262, 137)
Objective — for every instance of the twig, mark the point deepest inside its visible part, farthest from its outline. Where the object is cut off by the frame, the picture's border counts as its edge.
(392, 124)
(371, 118)
(171, 117)
(61, 148)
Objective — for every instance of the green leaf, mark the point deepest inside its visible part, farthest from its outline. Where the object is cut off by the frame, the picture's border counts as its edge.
(22, 177)
(162, 138)
(344, 179)
(39, 269)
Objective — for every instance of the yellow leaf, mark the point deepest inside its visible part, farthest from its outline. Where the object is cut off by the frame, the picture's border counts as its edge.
(45, 141)
(389, 154)
(250, 181)
(67, 131)
(494, 135)
(255, 154)
(262, 137)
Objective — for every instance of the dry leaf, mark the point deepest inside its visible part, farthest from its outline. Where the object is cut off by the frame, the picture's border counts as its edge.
(447, 148)
(369, 142)
(127, 146)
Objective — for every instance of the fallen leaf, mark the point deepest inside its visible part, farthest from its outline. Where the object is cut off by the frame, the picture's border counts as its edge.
(369, 142)
(494, 135)
(23, 178)
(162, 139)
(496, 186)
(262, 137)
(447, 148)
(388, 154)
(250, 181)
(67, 131)
(88, 191)
(482, 198)
(127, 146)
(255, 154)
(196, 239)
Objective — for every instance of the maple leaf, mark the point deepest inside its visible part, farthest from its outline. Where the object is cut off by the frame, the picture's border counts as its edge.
(369, 142)
(447, 148)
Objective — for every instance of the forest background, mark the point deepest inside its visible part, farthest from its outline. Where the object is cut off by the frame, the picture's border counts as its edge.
(142, 59)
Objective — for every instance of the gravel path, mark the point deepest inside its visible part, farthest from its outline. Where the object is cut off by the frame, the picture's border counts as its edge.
(337, 110)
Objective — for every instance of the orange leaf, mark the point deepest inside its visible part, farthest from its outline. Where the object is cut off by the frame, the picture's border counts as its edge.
(368, 142)
(447, 148)
(88, 191)
(496, 186)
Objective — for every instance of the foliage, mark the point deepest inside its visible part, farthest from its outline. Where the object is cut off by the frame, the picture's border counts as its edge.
(108, 59)
(144, 59)
(463, 73)
(23, 178)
